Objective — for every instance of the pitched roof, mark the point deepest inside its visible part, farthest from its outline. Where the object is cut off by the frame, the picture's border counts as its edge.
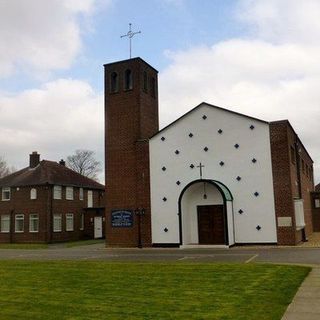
(48, 172)
(318, 187)
(211, 106)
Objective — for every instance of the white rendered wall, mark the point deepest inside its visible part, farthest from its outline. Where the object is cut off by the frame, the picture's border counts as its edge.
(255, 177)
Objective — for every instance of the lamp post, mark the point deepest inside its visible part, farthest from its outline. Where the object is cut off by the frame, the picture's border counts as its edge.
(139, 212)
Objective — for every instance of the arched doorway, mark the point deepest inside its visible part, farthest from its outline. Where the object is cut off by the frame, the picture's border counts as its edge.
(206, 214)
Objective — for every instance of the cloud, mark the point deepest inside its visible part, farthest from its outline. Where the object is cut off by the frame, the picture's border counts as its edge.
(54, 120)
(39, 36)
(272, 73)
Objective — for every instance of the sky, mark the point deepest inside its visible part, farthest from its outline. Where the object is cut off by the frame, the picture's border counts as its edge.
(257, 57)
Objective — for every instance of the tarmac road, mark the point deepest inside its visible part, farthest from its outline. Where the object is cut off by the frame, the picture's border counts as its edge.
(295, 255)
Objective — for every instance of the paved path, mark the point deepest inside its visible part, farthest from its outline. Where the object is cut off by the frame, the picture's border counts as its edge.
(306, 303)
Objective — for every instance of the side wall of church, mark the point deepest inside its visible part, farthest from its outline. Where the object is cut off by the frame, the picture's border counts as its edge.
(235, 150)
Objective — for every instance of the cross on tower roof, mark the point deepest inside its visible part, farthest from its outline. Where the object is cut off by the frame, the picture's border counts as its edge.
(130, 35)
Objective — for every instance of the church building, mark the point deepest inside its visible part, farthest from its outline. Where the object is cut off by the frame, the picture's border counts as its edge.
(212, 177)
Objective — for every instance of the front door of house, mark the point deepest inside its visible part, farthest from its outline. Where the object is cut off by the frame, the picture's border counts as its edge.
(211, 228)
(97, 227)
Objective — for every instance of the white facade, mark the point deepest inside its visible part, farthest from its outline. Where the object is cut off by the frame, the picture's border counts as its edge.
(235, 150)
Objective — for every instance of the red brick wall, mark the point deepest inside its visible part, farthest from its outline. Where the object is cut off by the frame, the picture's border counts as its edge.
(131, 118)
(315, 212)
(285, 177)
(45, 206)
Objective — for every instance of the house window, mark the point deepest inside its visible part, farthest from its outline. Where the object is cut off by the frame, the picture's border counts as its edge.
(6, 194)
(33, 223)
(145, 81)
(128, 79)
(81, 194)
(5, 223)
(114, 81)
(90, 199)
(69, 193)
(69, 222)
(293, 155)
(153, 87)
(317, 203)
(307, 170)
(57, 223)
(57, 192)
(19, 222)
(33, 194)
(81, 221)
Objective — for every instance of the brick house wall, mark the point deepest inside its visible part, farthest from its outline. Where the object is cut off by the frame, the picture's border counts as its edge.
(291, 163)
(131, 119)
(45, 206)
(315, 201)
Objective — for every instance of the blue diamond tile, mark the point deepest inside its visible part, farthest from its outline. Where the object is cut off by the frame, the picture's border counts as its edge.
(221, 163)
(254, 160)
(163, 138)
(236, 146)
(205, 149)
(240, 211)
(190, 134)
(165, 229)
(258, 227)
(178, 182)
(256, 193)
(220, 131)
(191, 166)
(164, 168)
(252, 127)
(204, 117)
(238, 178)
(164, 199)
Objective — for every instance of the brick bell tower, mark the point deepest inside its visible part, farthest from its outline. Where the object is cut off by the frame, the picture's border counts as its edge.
(131, 118)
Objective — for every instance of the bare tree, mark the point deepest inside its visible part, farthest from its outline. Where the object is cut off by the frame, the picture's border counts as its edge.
(4, 168)
(84, 162)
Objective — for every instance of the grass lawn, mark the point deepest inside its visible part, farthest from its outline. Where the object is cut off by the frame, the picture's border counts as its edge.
(104, 290)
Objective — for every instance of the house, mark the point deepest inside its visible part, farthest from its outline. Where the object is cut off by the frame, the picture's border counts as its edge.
(212, 177)
(48, 202)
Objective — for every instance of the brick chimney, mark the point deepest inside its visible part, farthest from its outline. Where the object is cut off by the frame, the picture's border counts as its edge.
(62, 162)
(34, 159)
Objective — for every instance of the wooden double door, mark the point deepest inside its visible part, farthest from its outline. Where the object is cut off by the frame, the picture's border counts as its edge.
(211, 224)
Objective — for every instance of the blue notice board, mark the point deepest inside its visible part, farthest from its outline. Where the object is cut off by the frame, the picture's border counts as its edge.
(121, 218)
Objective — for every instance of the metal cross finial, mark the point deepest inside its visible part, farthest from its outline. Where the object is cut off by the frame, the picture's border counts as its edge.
(130, 35)
(200, 166)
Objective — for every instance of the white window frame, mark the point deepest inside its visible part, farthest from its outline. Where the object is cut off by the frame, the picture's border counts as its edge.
(81, 221)
(69, 193)
(69, 218)
(317, 203)
(33, 217)
(18, 217)
(5, 218)
(4, 191)
(57, 192)
(90, 198)
(33, 194)
(81, 193)
(57, 217)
